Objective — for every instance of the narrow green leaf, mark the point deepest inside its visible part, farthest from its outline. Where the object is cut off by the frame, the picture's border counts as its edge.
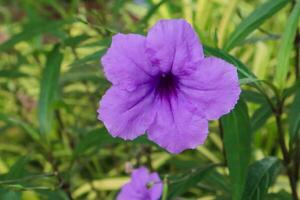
(99, 137)
(294, 117)
(291, 90)
(12, 74)
(10, 194)
(89, 58)
(53, 195)
(281, 195)
(75, 41)
(16, 122)
(48, 89)
(217, 181)
(17, 169)
(253, 97)
(32, 31)
(286, 46)
(253, 21)
(237, 144)
(260, 116)
(74, 77)
(152, 11)
(95, 138)
(182, 184)
(261, 176)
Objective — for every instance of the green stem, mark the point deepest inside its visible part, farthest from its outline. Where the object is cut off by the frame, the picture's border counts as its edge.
(165, 189)
(222, 138)
(284, 150)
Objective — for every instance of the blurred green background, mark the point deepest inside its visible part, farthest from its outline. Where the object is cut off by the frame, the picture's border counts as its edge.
(53, 147)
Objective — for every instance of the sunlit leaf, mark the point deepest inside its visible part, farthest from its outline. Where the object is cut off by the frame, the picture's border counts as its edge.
(253, 21)
(34, 30)
(286, 46)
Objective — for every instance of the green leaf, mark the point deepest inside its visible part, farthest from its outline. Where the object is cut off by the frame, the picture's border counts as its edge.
(48, 89)
(152, 11)
(75, 41)
(260, 116)
(95, 138)
(9, 194)
(34, 30)
(17, 169)
(291, 90)
(83, 73)
(261, 176)
(217, 181)
(243, 71)
(237, 144)
(253, 21)
(285, 49)
(12, 74)
(53, 195)
(253, 97)
(26, 127)
(281, 195)
(182, 184)
(89, 58)
(294, 117)
(99, 137)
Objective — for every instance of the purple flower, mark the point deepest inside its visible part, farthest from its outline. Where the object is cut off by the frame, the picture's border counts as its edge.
(163, 85)
(142, 186)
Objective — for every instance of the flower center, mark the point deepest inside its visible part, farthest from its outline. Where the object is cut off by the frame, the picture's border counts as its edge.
(167, 85)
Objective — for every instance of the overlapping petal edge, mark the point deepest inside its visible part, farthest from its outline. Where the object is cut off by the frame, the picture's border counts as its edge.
(163, 85)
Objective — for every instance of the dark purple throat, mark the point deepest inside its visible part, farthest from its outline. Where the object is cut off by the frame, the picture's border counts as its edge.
(166, 85)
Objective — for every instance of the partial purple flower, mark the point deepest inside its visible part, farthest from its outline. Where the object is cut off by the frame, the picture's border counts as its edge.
(142, 186)
(163, 85)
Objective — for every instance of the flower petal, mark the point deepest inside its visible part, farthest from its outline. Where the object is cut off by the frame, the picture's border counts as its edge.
(214, 88)
(177, 127)
(127, 114)
(156, 190)
(137, 188)
(128, 192)
(125, 63)
(173, 45)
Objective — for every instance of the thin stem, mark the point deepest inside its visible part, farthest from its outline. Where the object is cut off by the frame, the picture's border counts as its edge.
(296, 160)
(148, 157)
(284, 150)
(63, 184)
(222, 138)
(165, 189)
